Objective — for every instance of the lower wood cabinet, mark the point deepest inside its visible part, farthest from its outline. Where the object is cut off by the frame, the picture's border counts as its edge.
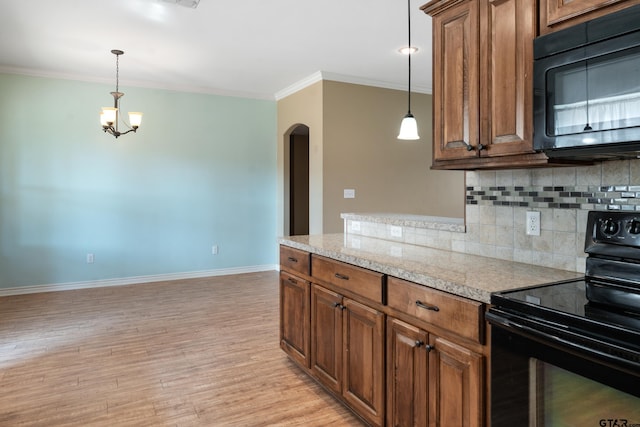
(431, 381)
(395, 352)
(294, 317)
(347, 351)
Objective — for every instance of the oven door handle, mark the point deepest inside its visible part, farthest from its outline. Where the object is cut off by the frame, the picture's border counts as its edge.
(504, 321)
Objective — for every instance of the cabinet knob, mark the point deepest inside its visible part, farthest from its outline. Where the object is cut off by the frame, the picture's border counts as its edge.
(481, 147)
(335, 304)
(419, 343)
(469, 147)
(429, 347)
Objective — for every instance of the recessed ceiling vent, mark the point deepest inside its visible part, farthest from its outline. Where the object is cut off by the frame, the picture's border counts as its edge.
(186, 3)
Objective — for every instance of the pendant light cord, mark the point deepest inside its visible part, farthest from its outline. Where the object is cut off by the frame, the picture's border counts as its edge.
(409, 27)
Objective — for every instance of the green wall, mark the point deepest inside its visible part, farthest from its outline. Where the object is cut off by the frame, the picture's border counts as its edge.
(200, 171)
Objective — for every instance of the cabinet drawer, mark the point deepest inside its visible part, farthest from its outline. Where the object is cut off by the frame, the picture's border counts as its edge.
(295, 260)
(453, 313)
(360, 281)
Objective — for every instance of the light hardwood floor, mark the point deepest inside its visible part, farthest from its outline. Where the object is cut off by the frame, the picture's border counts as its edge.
(198, 352)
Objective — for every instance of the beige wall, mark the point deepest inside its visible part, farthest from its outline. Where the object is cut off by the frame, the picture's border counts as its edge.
(353, 144)
(361, 151)
(303, 107)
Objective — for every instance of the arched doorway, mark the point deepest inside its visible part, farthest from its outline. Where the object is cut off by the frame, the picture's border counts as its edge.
(299, 181)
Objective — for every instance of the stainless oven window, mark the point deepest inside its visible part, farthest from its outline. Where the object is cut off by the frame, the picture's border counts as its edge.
(562, 398)
(600, 93)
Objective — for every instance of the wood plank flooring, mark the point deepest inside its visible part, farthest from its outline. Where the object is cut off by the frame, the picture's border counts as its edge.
(197, 352)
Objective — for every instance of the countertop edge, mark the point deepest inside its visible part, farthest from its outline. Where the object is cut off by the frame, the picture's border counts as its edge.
(419, 221)
(422, 279)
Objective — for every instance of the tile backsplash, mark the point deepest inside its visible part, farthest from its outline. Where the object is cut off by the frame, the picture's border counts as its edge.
(497, 202)
(496, 207)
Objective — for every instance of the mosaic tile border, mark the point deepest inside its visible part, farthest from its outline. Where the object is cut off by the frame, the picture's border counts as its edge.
(615, 198)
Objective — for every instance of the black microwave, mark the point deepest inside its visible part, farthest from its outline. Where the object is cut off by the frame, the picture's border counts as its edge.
(587, 89)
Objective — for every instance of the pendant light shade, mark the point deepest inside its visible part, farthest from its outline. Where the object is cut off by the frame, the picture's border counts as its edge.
(409, 126)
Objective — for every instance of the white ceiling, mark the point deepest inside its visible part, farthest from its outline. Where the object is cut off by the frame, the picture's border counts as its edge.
(254, 48)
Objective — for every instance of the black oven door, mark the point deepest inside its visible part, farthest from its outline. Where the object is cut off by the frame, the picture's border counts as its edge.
(544, 374)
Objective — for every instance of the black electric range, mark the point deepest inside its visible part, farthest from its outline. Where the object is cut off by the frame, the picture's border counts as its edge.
(586, 329)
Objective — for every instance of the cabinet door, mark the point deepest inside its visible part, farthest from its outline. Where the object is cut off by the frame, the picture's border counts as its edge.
(363, 360)
(507, 29)
(326, 337)
(407, 373)
(455, 385)
(557, 14)
(294, 318)
(455, 82)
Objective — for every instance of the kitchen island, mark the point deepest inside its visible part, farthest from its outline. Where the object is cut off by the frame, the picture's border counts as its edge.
(395, 331)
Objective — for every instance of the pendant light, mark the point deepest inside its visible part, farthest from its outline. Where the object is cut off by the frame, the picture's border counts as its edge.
(409, 126)
(110, 115)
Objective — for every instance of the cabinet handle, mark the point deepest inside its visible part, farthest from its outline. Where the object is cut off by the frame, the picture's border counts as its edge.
(419, 343)
(427, 307)
(342, 276)
(429, 347)
(292, 280)
(469, 147)
(481, 147)
(292, 259)
(335, 304)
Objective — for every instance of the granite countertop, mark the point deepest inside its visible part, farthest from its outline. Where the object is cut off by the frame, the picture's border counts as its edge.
(408, 220)
(469, 276)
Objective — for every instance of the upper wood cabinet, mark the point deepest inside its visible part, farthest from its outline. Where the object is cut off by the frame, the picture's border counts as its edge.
(559, 14)
(482, 83)
(455, 82)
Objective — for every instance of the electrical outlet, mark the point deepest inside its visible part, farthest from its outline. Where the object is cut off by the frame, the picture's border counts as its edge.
(349, 193)
(395, 231)
(214, 250)
(90, 258)
(355, 225)
(533, 223)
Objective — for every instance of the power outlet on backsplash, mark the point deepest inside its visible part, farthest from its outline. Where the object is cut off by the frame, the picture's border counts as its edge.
(533, 223)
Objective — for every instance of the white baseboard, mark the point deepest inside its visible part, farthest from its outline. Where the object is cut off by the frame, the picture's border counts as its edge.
(21, 290)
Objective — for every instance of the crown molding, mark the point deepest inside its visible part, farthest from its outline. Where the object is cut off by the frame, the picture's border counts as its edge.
(343, 78)
(134, 83)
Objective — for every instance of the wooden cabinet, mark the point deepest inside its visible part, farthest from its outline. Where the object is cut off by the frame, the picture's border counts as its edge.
(559, 14)
(455, 385)
(407, 375)
(455, 81)
(395, 352)
(482, 84)
(347, 351)
(431, 380)
(295, 291)
(294, 317)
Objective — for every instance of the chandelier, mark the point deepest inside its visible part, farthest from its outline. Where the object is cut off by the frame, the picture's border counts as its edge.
(109, 117)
